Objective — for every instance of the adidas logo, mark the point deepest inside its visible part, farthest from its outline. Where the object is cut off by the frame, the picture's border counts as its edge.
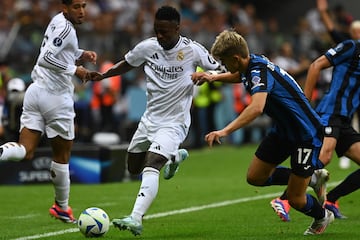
(155, 56)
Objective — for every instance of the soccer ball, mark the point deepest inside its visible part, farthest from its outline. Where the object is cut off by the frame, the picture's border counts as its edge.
(93, 222)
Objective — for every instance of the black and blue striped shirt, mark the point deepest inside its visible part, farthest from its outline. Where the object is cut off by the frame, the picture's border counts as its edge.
(294, 118)
(343, 96)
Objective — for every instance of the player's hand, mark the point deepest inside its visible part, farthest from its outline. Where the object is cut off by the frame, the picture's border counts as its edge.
(81, 72)
(322, 5)
(89, 56)
(93, 76)
(214, 136)
(199, 78)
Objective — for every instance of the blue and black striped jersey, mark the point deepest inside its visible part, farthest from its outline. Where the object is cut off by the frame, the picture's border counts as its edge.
(343, 96)
(293, 117)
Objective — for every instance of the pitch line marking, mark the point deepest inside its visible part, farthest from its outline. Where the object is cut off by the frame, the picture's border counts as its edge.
(174, 212)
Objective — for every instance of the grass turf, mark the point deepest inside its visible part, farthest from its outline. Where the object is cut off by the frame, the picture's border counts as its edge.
(207, 199)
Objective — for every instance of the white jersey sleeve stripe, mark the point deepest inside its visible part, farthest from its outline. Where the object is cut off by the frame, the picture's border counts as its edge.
(55, 66)
(49, 58)
(66, 31)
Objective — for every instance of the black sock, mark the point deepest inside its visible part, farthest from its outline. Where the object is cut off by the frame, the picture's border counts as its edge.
(279, 177)
(350, 184)
(284, 196)
(313, 208)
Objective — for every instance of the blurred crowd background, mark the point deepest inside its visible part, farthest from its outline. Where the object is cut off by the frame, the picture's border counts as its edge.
(290, 33)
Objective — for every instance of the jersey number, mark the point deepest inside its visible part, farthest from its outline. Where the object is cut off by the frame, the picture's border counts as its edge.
(283, 72)
(304, 155)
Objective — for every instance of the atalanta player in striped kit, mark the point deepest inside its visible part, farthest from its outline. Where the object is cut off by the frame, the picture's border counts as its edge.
(297, 132)
(340, 135)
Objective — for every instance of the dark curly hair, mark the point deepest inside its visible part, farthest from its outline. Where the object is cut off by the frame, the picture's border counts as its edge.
(168, 13)
(67, 2)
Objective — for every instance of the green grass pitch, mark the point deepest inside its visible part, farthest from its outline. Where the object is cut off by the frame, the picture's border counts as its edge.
(208, 199)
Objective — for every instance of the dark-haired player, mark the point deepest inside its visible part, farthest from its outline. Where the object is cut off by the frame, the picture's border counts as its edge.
(48, 102)
(169, 59)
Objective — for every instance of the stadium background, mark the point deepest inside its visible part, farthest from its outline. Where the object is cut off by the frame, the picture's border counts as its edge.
(113, 27)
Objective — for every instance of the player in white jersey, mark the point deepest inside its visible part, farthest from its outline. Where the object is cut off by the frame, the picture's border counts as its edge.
(169, 60)
(48, 102)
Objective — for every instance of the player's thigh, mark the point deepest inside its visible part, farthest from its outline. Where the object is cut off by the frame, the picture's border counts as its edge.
(354, 152)
(166, 141)
(349, 144)
(259, 171)
(30, 140)
(31, 116)
(139, 142)
(135, 162)
(59, 116)
(271, 152)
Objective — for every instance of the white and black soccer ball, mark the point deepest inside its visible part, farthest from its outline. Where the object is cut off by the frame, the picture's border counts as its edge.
(93, 222)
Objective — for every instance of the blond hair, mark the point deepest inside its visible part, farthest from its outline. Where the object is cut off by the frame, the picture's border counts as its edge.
(355, 24)
(228, 43)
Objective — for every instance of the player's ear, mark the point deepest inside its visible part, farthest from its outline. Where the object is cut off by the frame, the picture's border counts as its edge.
(64, 8)
(236, 57)
(177, 28)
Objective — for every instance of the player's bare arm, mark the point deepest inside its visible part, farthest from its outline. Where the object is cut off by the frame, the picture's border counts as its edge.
(118, 69)
(252, 111)
(199, 78)
(322, 6)
(81, 73)
(93, 76)
(314, 74)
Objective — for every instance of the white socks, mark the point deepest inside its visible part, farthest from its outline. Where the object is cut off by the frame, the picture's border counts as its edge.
(313, 180)
(147, 193)
(60, 177)
(12, 151)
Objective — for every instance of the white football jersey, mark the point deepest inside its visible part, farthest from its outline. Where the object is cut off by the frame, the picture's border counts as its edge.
(59, 50)
(168, 78)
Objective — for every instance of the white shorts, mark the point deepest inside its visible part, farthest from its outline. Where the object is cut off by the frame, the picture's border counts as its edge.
(163, 140)
(48, 113)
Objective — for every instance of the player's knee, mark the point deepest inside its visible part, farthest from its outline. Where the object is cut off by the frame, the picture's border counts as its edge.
(134, 169)
(29, 155)
(155, 160)
(254, 180)
(135, 162)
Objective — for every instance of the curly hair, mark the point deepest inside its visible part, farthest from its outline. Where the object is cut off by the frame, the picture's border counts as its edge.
(67, 2)
(168, 13)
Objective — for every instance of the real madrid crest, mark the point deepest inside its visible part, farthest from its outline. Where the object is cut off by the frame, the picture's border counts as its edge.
(180, 56)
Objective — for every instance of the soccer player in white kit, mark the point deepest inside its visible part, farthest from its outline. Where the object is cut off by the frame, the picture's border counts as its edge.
(48, 102)
(169, 60)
